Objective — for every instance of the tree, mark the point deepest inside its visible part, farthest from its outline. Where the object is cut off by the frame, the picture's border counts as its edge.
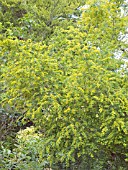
(74, 89)
(35, 19)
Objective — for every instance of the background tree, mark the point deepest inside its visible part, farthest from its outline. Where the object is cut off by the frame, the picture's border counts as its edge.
(35, 19)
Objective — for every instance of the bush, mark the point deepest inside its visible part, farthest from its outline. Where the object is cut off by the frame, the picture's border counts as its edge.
(73, 89)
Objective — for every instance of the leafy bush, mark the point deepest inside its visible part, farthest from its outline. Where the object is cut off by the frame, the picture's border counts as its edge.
(73, 89)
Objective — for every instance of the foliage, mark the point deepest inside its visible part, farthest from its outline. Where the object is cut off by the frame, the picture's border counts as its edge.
(74, 89)
(35, 19)
(27, 153)
(7, 124)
